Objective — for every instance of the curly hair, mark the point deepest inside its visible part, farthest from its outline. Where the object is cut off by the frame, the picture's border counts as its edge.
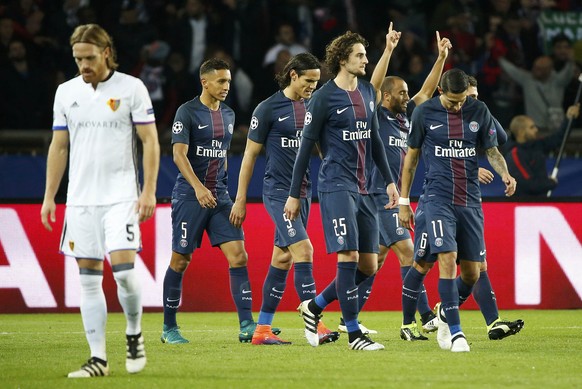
(340, 49)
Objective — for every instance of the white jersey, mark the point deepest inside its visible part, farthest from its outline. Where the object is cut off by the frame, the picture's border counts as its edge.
(102, 156)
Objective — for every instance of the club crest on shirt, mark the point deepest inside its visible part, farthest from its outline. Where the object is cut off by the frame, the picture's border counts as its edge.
(72, 245)
(177, 127)
(113, 104)
(474, 126)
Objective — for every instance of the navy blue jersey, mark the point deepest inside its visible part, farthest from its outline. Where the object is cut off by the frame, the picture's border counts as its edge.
(277, 123)
(208, 134)
(394, 131)
(449, 142)
(342, 123)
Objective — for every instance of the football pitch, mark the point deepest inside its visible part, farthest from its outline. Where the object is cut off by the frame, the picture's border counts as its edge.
(38, 350)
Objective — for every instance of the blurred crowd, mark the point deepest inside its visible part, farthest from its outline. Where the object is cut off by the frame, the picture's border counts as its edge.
(163, 42)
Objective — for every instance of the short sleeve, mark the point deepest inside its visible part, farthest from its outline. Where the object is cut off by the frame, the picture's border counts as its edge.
(417, 133)
(182, 126)
(315, 116)
(59, 117)
(142, 111)
(260, 123)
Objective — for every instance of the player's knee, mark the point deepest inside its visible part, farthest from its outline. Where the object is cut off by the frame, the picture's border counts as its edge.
(282, 261)
(179, 262)
(239, 258)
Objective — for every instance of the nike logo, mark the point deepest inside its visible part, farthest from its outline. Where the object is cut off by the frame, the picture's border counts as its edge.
(482, 252)
(246, 291)
(351, 291)
(389, 118)
(201, 127)
(339, 111)
(283, 118)
(368, 291)
(433, 127)
(172, 300)
(306, 285)
(277, 291)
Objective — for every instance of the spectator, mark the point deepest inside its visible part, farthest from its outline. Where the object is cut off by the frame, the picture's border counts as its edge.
(131, 34)
(526, 156)
(24, 92)
(193, 32)
(561, 51)
(543, 90)
(6, 35)
(285, 41)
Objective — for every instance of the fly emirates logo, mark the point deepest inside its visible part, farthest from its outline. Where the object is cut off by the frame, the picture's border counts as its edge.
(291, 143)
(215, 152)
(455, 150)
(362, 132)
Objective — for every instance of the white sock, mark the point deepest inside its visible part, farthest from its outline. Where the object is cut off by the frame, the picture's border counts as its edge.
(129, 295)
(94, 313)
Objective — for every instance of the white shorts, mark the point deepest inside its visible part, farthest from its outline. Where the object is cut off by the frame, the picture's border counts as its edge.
(92, 231)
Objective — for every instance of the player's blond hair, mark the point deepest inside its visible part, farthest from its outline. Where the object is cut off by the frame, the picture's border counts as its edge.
(95, 35)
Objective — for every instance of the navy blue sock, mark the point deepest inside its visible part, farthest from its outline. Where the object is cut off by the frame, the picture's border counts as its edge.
(464, 290)
(364, 283)
(410, 291)
(347, 293)
(485, 298)
(328, 295)
(304, 281)
(172, 294)
(422, 301)
(273, 289)
(450, 303)
(240, 288)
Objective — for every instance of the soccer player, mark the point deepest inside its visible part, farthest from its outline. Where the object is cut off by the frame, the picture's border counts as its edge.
(482, 290)
(393, 115)
(450, 128)
(95, 115)
(341, 116)
(201, 136)
(277, 123)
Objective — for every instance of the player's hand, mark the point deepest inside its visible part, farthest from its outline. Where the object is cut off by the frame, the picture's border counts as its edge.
(393, 196)
(443, 45)
(485, 176)
(238, 213)
(47, 214)
(392, 38)
(510, 184)
(406, 217)
(146, 206)
(292, 208)
(205, 197)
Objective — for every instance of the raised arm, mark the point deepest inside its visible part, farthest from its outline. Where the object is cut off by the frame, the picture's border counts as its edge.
(433, 78)
(392, 38)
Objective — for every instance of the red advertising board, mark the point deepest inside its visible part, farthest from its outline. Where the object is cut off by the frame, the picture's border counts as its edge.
(533, 252)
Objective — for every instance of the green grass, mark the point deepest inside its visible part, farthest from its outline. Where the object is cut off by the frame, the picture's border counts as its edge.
(38, 350)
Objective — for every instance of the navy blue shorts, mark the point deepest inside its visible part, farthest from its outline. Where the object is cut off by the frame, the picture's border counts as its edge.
(455, 228)
(287, 232)
(421, 246)
(190, 220)
(349, 222)
(390, 229)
